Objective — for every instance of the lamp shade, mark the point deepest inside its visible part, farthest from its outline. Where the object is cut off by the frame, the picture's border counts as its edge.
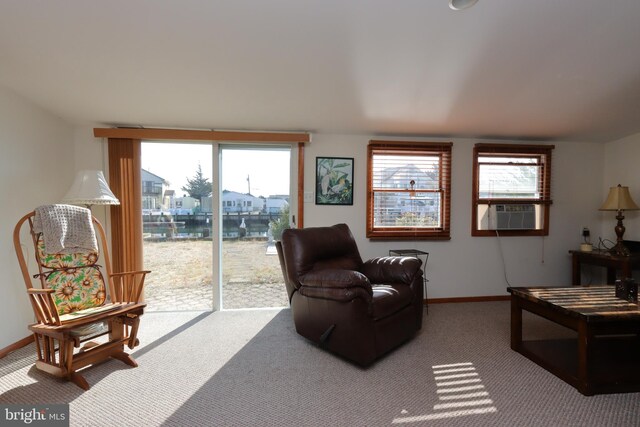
(90, 188)
(619, 199)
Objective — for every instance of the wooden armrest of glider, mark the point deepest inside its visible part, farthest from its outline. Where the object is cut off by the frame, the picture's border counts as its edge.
(44, 306)
(128, 285)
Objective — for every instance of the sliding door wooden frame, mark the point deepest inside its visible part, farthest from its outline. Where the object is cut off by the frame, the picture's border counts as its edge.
(300, 223)
(201, 135)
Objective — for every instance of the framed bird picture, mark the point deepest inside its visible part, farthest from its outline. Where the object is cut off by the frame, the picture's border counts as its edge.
(334, 181)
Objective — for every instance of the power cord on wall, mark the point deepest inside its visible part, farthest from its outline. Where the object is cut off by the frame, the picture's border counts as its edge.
(504, 264)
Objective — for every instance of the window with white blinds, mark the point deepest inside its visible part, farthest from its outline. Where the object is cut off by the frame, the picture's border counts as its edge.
(408, 190)
(512, 189)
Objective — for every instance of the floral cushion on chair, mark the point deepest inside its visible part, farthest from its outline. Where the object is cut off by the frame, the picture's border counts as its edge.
(75, 277)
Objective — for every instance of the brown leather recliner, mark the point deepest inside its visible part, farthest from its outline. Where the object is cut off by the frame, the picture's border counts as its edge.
(358, 310)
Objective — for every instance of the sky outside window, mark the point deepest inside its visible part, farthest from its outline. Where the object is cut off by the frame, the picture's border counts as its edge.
(267, 169)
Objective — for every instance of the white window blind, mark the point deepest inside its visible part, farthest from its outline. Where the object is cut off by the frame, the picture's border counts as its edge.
(409, 185)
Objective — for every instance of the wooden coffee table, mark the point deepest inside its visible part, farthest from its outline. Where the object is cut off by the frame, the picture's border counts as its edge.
(605, 355)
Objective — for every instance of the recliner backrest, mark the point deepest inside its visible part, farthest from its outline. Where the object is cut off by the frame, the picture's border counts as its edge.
(318, 248)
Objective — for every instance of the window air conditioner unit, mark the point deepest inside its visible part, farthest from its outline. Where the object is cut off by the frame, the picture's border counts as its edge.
(512, 217)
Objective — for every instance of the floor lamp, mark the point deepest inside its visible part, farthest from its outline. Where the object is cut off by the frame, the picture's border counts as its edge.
(90, 188)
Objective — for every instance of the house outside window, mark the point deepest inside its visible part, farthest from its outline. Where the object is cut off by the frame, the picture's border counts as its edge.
(408, 190)
(152, 190)
(511, 190)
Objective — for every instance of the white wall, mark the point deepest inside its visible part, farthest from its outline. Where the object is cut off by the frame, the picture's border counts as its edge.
(91, 153)
(472, 266)
(622, 166)
(36, 167)
(39, 153)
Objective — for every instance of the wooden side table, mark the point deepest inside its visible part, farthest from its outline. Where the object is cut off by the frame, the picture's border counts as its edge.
(613, 263)
(416, 253)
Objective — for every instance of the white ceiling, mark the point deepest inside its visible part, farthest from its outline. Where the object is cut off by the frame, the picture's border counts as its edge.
(557, 69)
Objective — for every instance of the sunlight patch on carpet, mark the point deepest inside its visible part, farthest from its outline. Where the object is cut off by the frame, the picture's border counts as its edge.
(468, 397)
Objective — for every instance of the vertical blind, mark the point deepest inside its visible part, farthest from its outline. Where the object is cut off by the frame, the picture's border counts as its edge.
(126, 218)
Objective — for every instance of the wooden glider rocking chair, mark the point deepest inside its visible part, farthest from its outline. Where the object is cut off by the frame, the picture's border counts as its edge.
(73, 308)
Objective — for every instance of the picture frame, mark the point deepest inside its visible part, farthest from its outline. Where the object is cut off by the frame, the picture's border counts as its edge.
(334, 180)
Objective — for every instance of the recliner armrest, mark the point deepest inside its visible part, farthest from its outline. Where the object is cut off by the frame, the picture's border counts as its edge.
(336, 279)
(391, 269)
(336, 285)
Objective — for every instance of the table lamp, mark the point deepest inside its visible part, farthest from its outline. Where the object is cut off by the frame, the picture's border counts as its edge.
(90, 188)
(619, 200)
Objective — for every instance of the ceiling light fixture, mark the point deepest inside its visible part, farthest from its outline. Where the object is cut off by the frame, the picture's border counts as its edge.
(461, 4)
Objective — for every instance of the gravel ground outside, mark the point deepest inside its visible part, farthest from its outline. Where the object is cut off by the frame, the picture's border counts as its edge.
(181, 275)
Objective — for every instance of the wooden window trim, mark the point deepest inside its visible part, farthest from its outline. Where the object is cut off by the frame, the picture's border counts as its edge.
(412, 233)
(300, 219)
(512, 150)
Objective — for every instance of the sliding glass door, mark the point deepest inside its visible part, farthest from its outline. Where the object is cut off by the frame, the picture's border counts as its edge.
(177, 219)
(255, 207)
(211, 214)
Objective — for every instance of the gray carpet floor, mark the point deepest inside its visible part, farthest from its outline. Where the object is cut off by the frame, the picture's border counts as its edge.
(250, 368)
